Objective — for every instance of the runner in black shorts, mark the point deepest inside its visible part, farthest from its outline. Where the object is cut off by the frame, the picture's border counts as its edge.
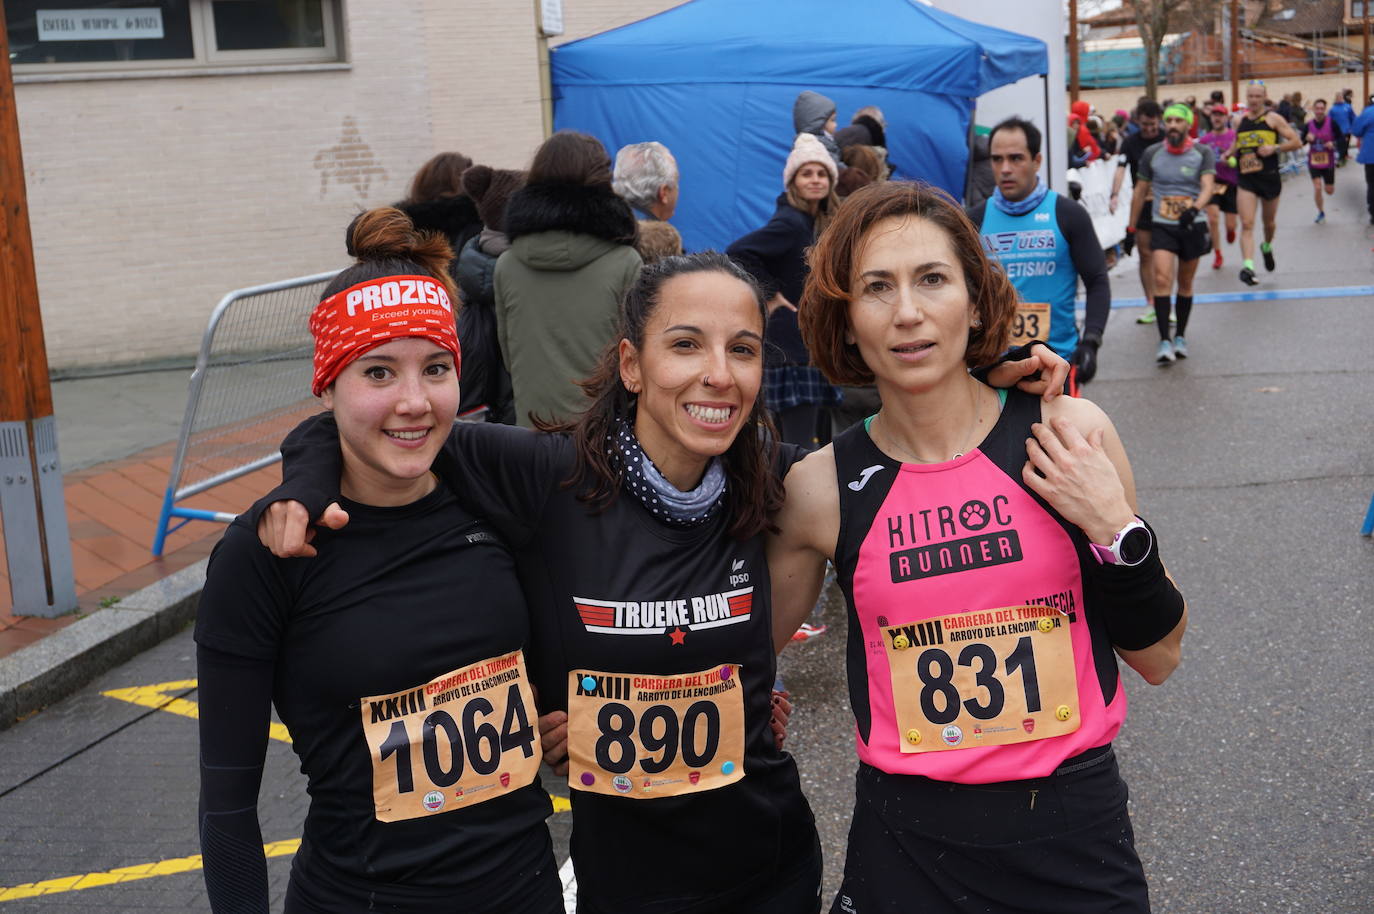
(1323, 138)
(1260, 137)
(1132, 147)
(1180, 175)
(1220, 138)
(959, 560)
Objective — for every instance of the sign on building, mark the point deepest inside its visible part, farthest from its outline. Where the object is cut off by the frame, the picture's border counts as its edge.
(99, 24)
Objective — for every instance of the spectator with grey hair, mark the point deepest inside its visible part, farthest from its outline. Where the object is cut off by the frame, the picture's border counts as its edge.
(646, 177)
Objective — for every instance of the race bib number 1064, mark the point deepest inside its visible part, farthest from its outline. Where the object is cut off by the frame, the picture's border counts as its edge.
(460, 739)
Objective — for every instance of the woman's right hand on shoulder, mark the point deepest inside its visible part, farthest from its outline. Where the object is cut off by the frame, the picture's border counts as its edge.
(286, 531)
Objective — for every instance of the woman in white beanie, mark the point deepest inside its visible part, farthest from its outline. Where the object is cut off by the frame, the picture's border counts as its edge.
(776, 256)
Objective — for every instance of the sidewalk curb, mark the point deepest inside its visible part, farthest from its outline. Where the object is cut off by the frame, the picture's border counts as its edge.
(61, 663)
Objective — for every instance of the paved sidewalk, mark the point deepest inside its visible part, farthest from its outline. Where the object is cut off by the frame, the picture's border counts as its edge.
(116, 440)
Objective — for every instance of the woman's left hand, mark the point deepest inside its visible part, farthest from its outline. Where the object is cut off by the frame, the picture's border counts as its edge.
(781, 714)
(553, 738)
(1075, 475)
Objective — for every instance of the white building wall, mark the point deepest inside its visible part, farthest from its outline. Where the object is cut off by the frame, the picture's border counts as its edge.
(150, 198)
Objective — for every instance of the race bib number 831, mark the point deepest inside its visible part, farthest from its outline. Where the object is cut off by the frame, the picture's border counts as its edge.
(646, 736)
(458, 740)
(983, 678)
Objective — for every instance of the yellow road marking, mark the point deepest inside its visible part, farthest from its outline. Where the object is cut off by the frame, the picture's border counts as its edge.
(128, 873)
(155, 696)
(560, 804)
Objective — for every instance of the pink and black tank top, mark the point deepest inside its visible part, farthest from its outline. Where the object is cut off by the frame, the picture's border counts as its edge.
(976, 652)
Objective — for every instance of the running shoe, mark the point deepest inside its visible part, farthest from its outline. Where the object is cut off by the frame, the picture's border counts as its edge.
(1247, 276)
(1147, 318)
(1164, 355)
(1180, 347)
(1216, 259)
(1268, 254)
(809, 631)
(1230, 236)
(1321, 217)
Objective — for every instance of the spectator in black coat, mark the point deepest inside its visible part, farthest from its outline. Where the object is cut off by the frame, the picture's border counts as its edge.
(484, 381)
(437, 202)
(776, 256)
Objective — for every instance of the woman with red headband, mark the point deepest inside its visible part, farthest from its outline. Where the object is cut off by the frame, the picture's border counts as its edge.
(394, 659)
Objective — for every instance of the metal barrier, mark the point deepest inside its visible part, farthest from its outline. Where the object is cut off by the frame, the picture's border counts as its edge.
(251, 386)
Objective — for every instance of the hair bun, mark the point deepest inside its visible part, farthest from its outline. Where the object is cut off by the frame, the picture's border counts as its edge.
(382, 233)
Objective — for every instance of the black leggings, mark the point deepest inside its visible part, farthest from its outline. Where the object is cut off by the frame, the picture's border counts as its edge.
(797, 891)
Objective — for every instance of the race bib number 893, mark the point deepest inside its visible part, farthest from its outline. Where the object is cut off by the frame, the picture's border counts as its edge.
(458, 740)
(1031, 322)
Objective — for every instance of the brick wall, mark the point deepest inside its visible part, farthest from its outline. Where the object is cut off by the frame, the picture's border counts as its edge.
(150, 198)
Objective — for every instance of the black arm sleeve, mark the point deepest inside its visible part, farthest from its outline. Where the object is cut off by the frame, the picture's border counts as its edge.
(235, 705)
(1090, 263)
(500, 472)
(311, 465)
(1142, 604)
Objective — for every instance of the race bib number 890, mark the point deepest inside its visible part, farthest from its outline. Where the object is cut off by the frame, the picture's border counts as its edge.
(983, 678)
(645, 736)
(458, 740)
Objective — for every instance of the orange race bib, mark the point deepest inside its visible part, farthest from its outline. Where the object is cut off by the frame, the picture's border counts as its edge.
(643, 736)
(1171, 207)
(1031, 322)
(1250, 163)
(982, 678)
(458, 740)
(1319, 158)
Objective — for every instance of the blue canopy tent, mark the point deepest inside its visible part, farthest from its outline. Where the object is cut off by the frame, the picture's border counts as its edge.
(714, 80)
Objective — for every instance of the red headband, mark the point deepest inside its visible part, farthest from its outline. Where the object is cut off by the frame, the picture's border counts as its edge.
(362, 317)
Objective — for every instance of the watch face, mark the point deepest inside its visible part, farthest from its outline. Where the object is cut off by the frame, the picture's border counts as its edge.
(1135, 545)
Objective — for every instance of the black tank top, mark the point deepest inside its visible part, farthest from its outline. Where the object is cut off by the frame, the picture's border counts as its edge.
(1250, 135)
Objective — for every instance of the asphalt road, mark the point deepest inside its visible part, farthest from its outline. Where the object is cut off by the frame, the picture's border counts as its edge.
(1252, 784)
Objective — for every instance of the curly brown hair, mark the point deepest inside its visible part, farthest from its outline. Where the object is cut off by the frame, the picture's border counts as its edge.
(823, 312)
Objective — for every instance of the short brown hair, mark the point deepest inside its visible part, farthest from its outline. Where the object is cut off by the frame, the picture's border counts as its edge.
(570, 157)
(823, 312)
(441, 176)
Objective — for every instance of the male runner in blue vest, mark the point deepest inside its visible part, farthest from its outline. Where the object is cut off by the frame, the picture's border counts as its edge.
(1046, 243)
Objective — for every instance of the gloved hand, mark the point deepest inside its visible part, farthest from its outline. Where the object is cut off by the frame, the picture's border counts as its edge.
(1084, 358)
(1128, 243)
(1185, 218)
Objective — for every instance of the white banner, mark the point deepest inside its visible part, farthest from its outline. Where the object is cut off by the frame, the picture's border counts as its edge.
(99, 25)
(1096, 180)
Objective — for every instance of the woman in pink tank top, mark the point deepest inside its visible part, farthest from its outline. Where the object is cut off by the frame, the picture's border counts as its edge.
(994, 566)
